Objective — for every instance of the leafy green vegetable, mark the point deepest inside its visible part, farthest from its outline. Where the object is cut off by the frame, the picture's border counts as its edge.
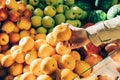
(113, 11)
(97, 16)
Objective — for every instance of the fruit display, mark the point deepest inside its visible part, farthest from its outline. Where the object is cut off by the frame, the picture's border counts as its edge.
(31, 32)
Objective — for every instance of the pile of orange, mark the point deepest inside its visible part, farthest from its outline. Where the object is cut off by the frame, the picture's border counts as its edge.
(44, 58)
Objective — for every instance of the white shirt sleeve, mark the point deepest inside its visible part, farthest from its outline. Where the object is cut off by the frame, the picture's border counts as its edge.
(105, 31)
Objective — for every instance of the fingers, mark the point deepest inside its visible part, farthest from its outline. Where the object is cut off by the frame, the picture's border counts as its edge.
(76, 43)
(78, 37)
(73, 28)
(71, 45)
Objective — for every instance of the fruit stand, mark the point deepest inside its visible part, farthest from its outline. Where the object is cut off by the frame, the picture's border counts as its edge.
(31, 34)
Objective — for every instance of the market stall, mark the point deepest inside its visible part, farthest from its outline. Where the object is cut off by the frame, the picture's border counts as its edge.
(33, 33)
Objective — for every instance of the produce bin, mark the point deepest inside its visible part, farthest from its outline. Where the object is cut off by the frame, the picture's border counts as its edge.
(108, 68)
(30, 23)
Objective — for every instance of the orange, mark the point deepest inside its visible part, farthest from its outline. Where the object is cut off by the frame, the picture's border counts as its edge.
(24, 33)
(33, 36)
(44, 77)
(26, 68)
(9, 77)
(68, 61)
(39, 42)
(28, 76)
(8, 26)
(15, 47)
(35, 67)
(1, 56)
(48, 65)
(50, 39)
(18, 56)
(32, 31)
(67, 74)
(17, 77)
(24, 23)
(30, 56)
(57, 57)
(46, 50)
(62, 49)
(4, 38)
(40, 36)
(62, 32)
(82, 68)
(16, 29)
(16, 69)
(27, 43)
(76, 55)
(7, 61)
(14, 37)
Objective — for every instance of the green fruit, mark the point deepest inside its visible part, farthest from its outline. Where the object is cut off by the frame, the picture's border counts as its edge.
(36, 21)
(76, 23)
(66, 8)
(30, 7)
(72, 22)
(113, 11)
(51, 2)
(41, 30)
(60, 8)
(50, 11)
(84, 15)
(48, 22)
(38, 12)
(34, 2)
(59, 18)
(70, 14)
(69, 2)
(79, 13)
(97, 16)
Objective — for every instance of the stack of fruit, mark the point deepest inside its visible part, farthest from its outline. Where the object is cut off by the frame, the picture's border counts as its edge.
(15, 23)
(44, 58)
(49, 13)
(31, 18)
(30, 35)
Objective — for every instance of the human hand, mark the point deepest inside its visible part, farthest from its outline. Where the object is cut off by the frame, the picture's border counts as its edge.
(78, 38)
